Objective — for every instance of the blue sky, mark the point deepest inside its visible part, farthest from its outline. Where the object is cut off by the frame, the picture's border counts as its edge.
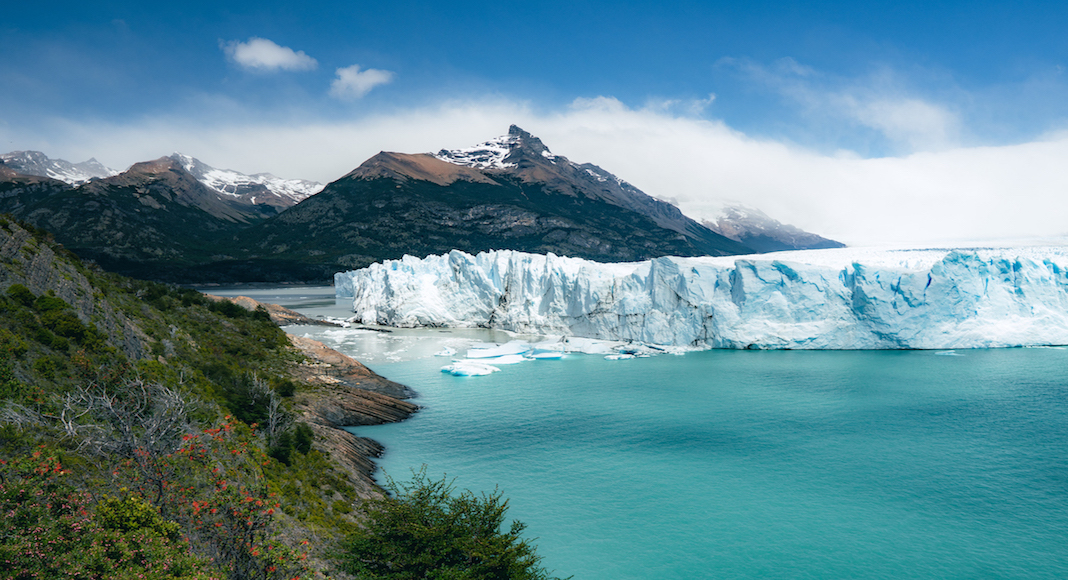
(311, 91)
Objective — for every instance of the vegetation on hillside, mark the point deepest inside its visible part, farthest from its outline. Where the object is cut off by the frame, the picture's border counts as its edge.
(145, 432)
(427, 530)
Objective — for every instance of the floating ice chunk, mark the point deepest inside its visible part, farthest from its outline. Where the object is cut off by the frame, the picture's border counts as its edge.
(547, 355)
(485, 350)
(447, 351)
(469, 369)
(620, 356)
(591, 345)
(508, 359)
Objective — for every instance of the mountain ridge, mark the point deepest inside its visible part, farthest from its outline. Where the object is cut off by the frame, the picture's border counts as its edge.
(178, 219)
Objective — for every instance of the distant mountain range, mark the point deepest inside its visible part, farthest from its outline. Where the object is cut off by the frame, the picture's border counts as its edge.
(178, 219)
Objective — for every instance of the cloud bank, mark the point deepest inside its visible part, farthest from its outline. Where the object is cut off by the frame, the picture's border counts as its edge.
(953, 195)
(352, 83)
(264, 55)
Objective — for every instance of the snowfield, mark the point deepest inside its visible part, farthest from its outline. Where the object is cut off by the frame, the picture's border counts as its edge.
(816, 299)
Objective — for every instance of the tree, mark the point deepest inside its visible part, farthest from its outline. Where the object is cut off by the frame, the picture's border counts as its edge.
(425, 530)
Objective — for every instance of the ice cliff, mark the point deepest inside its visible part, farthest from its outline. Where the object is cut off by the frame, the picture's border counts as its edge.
(817, 299)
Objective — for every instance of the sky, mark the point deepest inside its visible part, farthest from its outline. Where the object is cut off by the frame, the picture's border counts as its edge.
(873, 123)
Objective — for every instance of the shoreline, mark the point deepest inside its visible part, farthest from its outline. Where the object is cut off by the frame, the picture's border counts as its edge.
(341, 392)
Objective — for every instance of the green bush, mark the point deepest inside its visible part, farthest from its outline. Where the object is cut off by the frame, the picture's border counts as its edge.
(282, 449)
(286, 388)
(228, 309)
(132, 513)
(427, 531)
(12, 344)
(302, 438)
(21, 295)
(10, 386)
(49, 366)
(48, 303)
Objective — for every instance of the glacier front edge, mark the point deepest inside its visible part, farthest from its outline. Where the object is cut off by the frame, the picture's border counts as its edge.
(816, 299)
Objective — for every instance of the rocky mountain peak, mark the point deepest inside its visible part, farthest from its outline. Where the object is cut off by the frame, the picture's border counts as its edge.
(503, 153)
(523, 141)
(39, 164)
(256, 189)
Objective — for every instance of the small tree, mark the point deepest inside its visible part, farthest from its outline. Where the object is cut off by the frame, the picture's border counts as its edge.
(426, 531)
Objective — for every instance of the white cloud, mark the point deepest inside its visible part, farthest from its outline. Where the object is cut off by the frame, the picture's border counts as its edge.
(352, 83)
(881, 101)
(935, 197)
(912, 122)
(263, 55)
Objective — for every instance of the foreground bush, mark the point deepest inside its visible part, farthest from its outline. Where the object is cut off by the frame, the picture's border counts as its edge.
(424, 530)
(48, 530)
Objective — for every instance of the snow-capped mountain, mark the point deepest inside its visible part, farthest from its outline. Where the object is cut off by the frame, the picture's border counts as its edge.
(257, 189)
(813, 299)
(510, 193)
(521, 154)
(39, 164)
(488, 155)
(763, 233)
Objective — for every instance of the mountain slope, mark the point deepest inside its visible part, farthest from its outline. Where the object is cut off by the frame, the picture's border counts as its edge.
(151, 220)
(257, 189)
(511, 193)
(39, 164)
(179, 219)
(763, 233)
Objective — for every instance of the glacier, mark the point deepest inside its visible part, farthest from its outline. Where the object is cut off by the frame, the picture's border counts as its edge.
(812, 299)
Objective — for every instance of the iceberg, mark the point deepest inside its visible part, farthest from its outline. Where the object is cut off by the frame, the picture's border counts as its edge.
(814, 299)
(462, 368)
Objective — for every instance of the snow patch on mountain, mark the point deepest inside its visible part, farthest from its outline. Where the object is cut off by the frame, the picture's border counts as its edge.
(236, 184)
(494, 154)
(816, 299)
(487, 155)
(763, 233)
(39, 164)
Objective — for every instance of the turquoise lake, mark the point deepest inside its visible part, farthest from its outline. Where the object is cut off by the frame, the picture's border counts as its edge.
(751, 464)
(762, 464)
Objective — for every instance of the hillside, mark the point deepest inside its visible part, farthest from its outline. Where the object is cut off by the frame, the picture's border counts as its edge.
(112, 378)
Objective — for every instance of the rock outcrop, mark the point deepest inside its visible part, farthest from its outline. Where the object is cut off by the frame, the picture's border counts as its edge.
(345, 393)
(280, 315)
(36, 266)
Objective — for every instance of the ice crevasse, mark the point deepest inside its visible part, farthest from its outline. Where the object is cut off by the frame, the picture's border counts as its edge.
(817, 299)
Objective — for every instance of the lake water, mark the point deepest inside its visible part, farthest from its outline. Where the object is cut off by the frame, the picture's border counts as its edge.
(741, 464)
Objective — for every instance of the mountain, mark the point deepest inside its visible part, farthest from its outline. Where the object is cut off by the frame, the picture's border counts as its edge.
(521, 155)
(179, 219)
(757, 230)
(507, 193)
(37, 163)
(828, 299)
(153, 220)
(19, 190)
(256, 189)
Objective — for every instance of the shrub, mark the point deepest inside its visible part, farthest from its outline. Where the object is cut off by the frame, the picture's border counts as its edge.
(49, 530)
(12, 344)
(286, 388)
(21, 294)
(48, 303)
(302, 438)
(427, 531)
(131, 513)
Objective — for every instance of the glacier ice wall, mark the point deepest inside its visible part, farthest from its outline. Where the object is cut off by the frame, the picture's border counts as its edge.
(820, 299)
